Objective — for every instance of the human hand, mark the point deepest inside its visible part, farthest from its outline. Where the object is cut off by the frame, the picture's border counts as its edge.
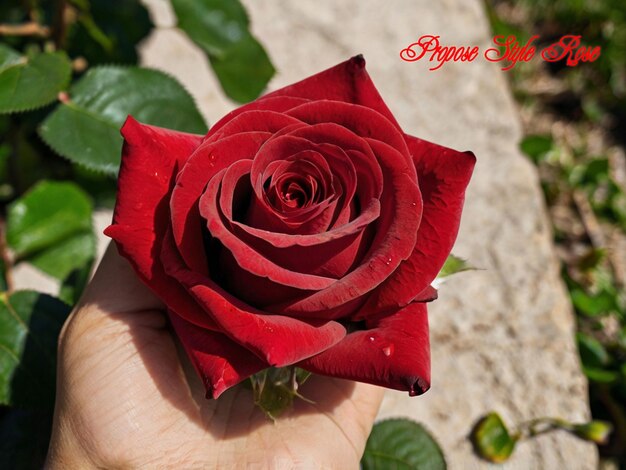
(127, 397)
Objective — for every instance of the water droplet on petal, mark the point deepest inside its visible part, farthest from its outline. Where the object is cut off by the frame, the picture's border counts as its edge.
(414, 204)
(388, 261)
(388, 350)
(371, 338)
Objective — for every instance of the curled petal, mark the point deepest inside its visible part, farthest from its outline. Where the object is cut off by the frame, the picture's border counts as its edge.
(245, 255)
(443, 177)
(205, 162)
(279, 104)
(393, 352)
(363, 121)
(220, 362)
(275, 339)
(396, 231)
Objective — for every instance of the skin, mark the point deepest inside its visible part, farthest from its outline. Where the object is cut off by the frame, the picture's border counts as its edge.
(126, 398)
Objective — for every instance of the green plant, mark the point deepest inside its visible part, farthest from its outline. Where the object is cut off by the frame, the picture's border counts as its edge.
(68, 79)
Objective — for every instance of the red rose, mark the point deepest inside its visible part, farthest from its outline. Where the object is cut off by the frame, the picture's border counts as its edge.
(305, 228)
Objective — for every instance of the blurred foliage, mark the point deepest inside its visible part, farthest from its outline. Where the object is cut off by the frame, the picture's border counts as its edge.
(493, 441)
(575, 121)
(68, 80)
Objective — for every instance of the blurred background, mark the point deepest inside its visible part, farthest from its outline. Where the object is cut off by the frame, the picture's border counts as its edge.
(537, 331)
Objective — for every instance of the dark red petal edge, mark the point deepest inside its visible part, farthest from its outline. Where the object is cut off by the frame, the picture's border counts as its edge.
(151, 157)
(443, 176)
(393, 352)
(220, 362)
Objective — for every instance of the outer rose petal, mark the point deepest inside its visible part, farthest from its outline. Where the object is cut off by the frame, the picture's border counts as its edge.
(220, 362)
(348, 82)
(151, 157)
(393, 352)
(443, 176)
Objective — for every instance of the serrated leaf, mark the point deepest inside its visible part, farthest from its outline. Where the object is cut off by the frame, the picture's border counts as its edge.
(50, 213)
(8, 57)
(31, 82)
(215, 25)
(244, 70)
(454, 265)
(492, 440)
(401, 444)
(220, 28)
(86, 129)
(30, 323)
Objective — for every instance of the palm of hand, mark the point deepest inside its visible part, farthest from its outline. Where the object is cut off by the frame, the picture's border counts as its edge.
(124, 399)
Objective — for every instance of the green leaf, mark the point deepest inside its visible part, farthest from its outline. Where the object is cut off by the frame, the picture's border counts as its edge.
(50, 227)
(454, 265)
(220, 28)
(536, 146)
(86, 128)
(401, 444)
(49, 213)
(244, 71)
(595, 359)
(63, 258)
(215, 25)
(492, 440)
(30, 323)
(31, 82)
(594, 431)
(592, 352)
(593, 305)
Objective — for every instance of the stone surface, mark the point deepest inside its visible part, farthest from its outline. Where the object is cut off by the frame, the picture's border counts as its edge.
(502, 337)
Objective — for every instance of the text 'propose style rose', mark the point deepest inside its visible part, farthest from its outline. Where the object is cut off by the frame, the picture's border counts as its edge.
(305, 228)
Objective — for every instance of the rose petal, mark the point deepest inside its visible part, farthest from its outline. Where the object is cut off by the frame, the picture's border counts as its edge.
(245, 255)
(219, 361)
(207, 160)
(279, 104)
(396, 231)
(276, 339)
(254, 120)
(262, 216)
(443, 176)
(393, 352)
(348, 82)
(364, 122)
(150, 158)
